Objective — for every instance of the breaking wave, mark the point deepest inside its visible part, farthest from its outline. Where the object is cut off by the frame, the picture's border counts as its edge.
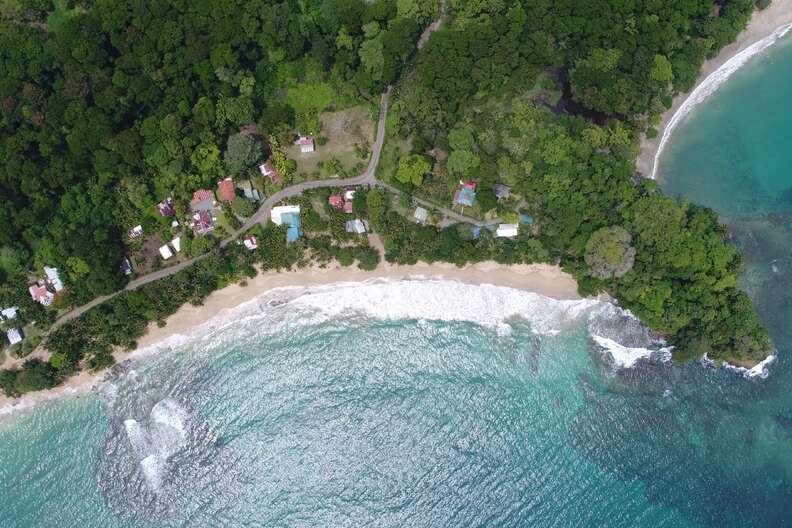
(710, 85)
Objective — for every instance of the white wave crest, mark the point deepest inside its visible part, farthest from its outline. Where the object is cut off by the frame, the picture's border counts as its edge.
(710, 85)
(760, 370)
(626, 357)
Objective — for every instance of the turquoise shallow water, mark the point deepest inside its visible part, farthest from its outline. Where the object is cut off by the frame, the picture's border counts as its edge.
(461, 406)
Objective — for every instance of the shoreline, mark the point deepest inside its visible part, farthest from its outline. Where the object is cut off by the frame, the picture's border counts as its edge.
(543, 279)
(763, 30)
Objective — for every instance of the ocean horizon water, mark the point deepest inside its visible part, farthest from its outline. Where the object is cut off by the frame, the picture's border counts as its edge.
(435, 403)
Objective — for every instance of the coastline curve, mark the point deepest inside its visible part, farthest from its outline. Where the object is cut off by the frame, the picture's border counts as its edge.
(710, 84)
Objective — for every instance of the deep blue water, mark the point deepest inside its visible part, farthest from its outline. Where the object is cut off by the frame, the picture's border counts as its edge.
(464, 406)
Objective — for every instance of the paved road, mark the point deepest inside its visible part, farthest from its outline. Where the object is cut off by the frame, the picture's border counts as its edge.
(261, 216)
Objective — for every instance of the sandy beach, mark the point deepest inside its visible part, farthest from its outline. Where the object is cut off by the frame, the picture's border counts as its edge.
(543, 279)
(761, 26)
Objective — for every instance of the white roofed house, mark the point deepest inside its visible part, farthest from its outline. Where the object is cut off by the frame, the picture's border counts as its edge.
(251, 242)
(14, 336)
(165, 252)
(8, 313)
(356, 226)
(421, 215)
(507, 230)
(176, 244)
(53, 278)
(306, 144)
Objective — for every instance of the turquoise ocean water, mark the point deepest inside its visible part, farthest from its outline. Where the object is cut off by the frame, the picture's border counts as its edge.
(430, 403)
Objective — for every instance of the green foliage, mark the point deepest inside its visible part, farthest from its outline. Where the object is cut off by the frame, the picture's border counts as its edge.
(608, 252)
(412, 169)
(243, 207)
(243, 152)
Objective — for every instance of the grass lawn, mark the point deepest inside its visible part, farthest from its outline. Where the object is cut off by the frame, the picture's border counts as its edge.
(344, 130)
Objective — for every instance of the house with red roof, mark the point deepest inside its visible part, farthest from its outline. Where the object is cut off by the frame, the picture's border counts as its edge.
(41, 294)
(165, 207)
(202, 200)
(269, 171)
(225, 190)
(335, 201)
(348, 208)
(306, 144)
(202, 222)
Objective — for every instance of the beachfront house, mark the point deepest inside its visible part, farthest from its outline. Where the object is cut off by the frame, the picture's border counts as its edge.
(202, 200)
(288, 215)
(165, 252)
(421, 215)
(41, 294)
(165, 207)
(507, 230)
(270, 172)
(356, 226)
(225, 190)
(14, 336)
(251, 242)
(53, 278)
(466, 194)
(306, 144)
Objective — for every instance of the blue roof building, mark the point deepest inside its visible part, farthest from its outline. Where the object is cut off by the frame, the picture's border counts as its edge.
(466, 195)
(475, 231)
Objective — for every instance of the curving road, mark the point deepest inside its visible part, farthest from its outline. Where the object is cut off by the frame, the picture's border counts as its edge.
(262, 215)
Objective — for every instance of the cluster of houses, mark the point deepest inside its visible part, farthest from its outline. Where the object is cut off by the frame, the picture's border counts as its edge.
(345, 202)
(13, 334)
(47, 288)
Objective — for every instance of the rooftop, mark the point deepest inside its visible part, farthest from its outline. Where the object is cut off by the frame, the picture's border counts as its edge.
(225, 190)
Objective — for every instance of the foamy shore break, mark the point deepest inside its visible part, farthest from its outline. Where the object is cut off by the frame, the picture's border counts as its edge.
(764, 29)
(545, 280)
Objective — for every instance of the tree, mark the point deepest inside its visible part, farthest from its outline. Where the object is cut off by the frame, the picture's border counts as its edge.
(462, 162)
(242, 153)
(412, 169)
(243, 207)
(609, 253)
(661, 69)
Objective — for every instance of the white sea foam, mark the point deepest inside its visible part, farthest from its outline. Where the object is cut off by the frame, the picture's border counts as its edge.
(761, 370)
(627, 357)
(709, 85)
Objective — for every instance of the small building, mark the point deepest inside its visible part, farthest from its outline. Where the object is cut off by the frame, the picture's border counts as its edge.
(466, 195)
(165, 207)
(348, 207)
(248, 190)
(8, 313)
(136, 231)
(53, 278)
(251, 242)
(202, 200)
(306, 144)
(335, 201)
(501, 191)
(284, 214)
(175, 223)
(349, 195)
(356, 226)
(507, 230)
(176, 244)
(41, 294)
(270, 172)
(421, 215)
(475, 231)
(225, 190)
(126, 266)
(165, 252)
(14, 336)
(202, 222)
(288, 215)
